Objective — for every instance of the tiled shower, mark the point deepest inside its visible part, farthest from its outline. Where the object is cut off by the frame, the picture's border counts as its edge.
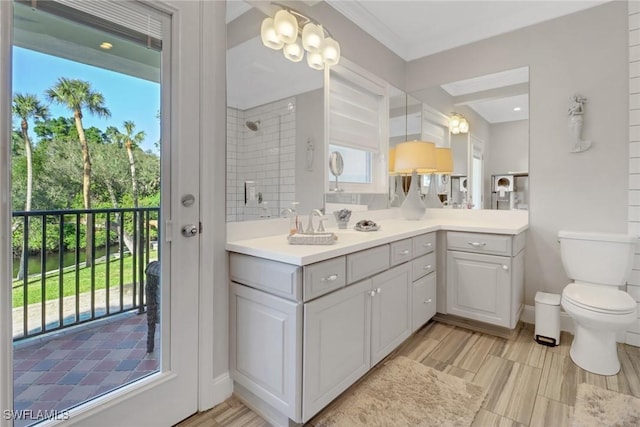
(260, 154)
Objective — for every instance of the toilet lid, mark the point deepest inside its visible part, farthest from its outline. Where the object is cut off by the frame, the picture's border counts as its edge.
(601, 299)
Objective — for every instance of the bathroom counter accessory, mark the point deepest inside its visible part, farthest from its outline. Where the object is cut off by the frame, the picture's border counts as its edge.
(312, 239)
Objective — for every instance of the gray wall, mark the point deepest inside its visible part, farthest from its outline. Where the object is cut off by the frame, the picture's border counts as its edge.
(310, 125)
(507, 150)
(583, 53)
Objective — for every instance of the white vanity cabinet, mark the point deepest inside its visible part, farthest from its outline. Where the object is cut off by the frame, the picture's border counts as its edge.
(485, 277)
(300, 336)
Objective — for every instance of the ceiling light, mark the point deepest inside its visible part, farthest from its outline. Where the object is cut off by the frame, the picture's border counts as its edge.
(517, 109)
(106, 45)
(284, 30)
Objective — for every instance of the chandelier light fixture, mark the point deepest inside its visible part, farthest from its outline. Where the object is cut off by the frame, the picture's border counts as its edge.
(458, 124)
(296, 34)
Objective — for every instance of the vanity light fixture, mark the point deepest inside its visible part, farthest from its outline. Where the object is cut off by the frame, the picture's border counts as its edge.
(458, 124)
(295, 34)
(413, 157)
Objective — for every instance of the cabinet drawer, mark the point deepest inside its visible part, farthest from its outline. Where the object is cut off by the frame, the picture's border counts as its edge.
(274, 277)
(401, 251)
(323, 277)
(424, 301)
(423, 265)
(367, 263)
(424, 244)
(480, 243)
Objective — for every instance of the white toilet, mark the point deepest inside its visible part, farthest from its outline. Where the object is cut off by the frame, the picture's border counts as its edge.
(598, 263)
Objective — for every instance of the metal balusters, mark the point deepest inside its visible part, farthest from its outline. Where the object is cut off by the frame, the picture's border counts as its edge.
(77, 268)
(43, 276)
(25, 276)
(107, 271)
(134, 285)
(121, 261)
(61, 272)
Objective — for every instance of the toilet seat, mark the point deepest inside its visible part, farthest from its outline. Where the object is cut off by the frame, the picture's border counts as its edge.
(599, 299)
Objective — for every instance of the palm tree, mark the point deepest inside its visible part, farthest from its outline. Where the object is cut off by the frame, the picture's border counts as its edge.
(132, 141)
(77, 95)
(25, 107)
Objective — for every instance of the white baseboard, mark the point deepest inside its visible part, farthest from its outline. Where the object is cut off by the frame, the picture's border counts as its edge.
(218, 390)
(529, 316)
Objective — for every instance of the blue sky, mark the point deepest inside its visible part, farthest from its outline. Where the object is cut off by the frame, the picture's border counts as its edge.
(128, 98)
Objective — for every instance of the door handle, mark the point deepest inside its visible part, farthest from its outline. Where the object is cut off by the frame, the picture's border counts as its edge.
(189, 230)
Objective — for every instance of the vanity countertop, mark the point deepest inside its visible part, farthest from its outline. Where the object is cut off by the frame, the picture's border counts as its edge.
(277, 248)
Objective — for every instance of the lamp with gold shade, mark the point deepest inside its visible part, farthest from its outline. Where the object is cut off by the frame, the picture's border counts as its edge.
(444, 166)
(413, 157)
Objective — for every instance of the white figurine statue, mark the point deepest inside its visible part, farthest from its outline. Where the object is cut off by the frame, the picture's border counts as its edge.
(576, 110)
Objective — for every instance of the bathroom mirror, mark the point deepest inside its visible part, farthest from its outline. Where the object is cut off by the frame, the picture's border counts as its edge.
(275, 125)
(497, 144)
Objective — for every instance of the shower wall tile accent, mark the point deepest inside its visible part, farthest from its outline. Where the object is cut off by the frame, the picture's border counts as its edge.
(265, 156)
(633, 336)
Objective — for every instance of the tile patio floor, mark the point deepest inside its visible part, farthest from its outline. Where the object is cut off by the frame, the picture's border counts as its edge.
(61, 372)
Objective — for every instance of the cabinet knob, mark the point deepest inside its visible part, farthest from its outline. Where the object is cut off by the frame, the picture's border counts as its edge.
(427, 267)
(477, 244)
(330, 278)
(372, 293)
(405, 252)
(505, 267)
(427, 301)
(378, 290)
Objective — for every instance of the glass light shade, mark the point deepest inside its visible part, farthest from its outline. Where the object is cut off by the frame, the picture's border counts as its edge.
(286, 26)
(268, 34)
(464, 125)
(455, 130)
(312, 37)
(331, 51)
(454, 122)
(314, 60)
(415, 155)
(444, 160)
(293, 52)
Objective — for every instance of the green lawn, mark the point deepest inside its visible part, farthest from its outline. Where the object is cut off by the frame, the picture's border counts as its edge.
(52, 281)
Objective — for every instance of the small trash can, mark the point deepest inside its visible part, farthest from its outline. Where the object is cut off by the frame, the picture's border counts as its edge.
(547, 331)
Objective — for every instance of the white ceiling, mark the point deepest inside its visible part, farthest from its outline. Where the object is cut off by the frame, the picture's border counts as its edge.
(414, 29)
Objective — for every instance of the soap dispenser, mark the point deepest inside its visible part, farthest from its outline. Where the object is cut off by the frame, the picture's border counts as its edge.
(293, 218)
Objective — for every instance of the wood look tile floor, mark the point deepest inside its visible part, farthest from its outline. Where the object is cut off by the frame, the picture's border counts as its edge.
(527, 384)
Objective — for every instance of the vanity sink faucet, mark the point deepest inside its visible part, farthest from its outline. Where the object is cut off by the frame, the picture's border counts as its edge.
(314, 212)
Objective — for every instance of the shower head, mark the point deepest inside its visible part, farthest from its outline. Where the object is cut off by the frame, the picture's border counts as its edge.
(252, 126)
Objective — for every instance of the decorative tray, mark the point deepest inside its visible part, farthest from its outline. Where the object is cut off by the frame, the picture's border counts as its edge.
(312, 239)
(366, 225)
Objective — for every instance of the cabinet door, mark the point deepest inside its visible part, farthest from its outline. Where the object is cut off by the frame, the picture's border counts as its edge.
(424, 301)
(479, 287)
(337, 345)
(390, 311)
(265, 347)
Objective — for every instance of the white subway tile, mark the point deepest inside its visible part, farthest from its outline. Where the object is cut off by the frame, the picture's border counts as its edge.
(634, 21)
(634, 291)
(634, 85)
(634, 6)
(634, 133)
(634, 165)
(634, 37)
(634, 197)
(634, 213)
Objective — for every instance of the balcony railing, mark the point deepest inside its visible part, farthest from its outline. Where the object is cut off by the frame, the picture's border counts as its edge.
(73, 291)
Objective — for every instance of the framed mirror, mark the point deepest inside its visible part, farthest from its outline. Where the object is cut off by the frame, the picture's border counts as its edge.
(275, 125)
(496, 145)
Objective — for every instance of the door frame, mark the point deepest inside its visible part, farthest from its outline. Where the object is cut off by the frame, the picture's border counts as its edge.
(192, 62)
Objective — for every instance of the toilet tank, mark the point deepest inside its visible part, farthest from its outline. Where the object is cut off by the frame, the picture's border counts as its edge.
(601, 258)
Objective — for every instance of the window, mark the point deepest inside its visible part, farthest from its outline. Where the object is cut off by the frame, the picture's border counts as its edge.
(357, 127)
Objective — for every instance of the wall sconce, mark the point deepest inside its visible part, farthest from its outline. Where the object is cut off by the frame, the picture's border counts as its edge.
(458, 124)
(296, 34)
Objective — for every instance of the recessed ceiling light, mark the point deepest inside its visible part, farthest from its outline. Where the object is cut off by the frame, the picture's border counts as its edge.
(106, 45)
(517, 109)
